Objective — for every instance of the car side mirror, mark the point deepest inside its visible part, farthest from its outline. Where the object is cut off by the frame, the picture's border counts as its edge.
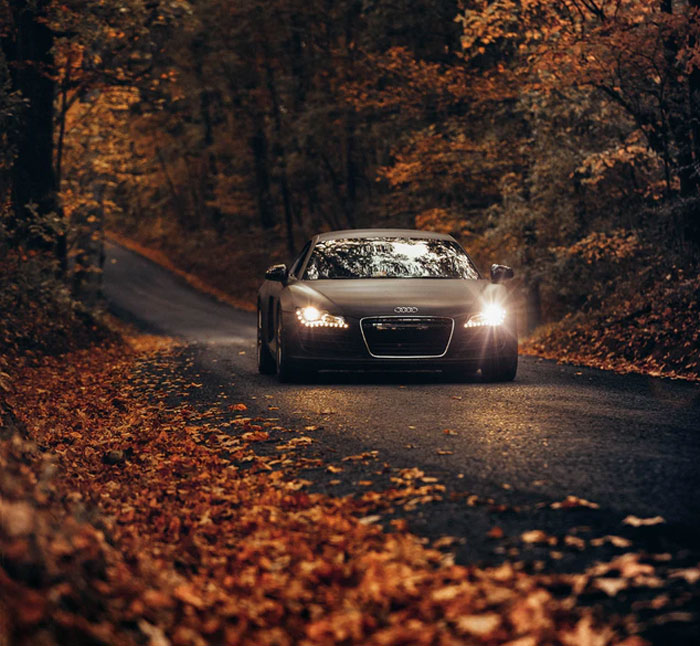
(277, 273)
(499, 273)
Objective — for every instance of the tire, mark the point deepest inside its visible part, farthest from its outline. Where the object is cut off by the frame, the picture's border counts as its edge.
(503, 365)
(285, 368)
(266, 362)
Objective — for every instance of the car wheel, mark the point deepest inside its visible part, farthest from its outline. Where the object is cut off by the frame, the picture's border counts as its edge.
(503, 365)
(285, 369)
(266, 362)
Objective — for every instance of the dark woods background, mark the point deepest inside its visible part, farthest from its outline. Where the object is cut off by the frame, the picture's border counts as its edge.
(560, 137)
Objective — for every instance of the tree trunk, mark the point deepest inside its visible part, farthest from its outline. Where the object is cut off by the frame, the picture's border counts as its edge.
(31, 60)
(258, 146)
(281, 155)
(209, 167)
(350, 168)
(351, 171)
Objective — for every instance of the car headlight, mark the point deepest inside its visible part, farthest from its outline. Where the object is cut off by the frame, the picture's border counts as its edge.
(313, 317)
(491, 315)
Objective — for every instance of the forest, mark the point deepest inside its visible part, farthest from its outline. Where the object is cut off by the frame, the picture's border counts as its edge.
(560, 137)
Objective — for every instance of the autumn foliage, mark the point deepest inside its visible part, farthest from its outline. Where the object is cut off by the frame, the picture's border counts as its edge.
(560, 137)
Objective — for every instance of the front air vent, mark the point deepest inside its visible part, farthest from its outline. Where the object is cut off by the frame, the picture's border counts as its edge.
(416, 337)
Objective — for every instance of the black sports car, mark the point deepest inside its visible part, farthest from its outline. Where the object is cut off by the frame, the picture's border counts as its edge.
(385, 299)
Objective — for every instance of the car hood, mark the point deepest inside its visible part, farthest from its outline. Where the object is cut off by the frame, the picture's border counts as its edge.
(379, 297)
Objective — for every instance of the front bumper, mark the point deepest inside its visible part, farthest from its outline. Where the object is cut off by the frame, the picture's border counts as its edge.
(347, 349)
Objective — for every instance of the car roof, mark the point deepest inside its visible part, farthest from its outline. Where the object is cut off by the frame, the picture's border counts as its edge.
(383, 233)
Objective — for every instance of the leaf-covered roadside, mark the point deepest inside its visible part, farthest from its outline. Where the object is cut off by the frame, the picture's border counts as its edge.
(128, 520)
(639, 313)
(38, 314)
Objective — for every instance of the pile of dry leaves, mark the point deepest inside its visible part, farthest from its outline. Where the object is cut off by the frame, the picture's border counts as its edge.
(655, 332)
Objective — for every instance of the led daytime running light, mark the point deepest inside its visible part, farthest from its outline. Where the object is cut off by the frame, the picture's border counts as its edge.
(491, 316)
(311, 317)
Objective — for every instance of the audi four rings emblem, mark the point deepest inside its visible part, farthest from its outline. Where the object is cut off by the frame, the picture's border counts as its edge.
(405, 310)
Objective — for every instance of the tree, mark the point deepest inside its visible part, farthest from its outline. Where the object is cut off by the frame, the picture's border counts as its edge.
(641, 56)
(10, 130)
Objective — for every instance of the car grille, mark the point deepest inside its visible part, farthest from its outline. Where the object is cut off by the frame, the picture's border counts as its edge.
(418, 336)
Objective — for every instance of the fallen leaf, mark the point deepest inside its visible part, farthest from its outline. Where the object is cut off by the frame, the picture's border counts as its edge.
(495, 533)
(575, 542)
(611, 586)
(571, 502)
(444, 541)
(479, 625)
(186, 594)
(155, 634)
(634, 521)
(255, 436)
(617, 541)
(690, 575)
(368, 455)
(537, 536)
(369, 520)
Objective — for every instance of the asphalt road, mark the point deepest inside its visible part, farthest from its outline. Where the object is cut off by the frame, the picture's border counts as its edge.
(629, 443)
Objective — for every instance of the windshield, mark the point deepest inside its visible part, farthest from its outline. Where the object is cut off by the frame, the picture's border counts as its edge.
(389, 258)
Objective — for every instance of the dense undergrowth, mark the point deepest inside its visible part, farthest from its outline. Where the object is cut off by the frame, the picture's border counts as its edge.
(628, 306)
(39, 314)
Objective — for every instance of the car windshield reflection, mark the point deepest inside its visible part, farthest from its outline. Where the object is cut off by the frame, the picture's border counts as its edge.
(389, 257)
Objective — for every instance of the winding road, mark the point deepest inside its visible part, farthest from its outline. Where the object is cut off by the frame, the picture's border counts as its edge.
(630, 443)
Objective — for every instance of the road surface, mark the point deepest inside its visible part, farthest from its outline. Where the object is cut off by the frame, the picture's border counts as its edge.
(630, 444)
